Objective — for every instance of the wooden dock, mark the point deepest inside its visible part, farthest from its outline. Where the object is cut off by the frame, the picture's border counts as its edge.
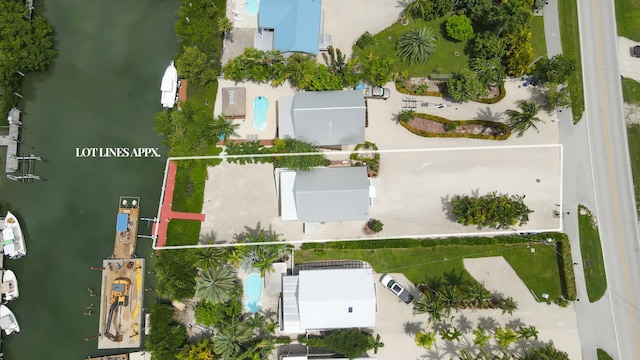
(11, 141)
(128, 219)
(122, 287)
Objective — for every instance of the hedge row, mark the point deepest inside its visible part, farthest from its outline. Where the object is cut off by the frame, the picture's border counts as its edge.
(565, 266)
(422, 243)
(415, 90)
(493, 100)
(451, 134)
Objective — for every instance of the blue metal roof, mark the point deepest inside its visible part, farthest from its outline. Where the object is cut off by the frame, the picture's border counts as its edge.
(122, 222)
(296, 24)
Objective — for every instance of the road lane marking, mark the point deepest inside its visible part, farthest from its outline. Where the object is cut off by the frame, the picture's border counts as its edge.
(605, 120)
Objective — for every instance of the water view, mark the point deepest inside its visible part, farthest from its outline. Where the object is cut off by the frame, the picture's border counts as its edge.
(102, 91)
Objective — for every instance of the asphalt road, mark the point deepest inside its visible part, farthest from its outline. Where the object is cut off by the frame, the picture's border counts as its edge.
(610, 164)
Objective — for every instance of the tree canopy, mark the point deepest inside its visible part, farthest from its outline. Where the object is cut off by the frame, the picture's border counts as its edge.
(466, 85)
(167, 336)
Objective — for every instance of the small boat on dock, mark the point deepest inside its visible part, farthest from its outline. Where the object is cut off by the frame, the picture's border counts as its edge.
(8, 322)
(12, 239)
(169, 87)
(9, 286)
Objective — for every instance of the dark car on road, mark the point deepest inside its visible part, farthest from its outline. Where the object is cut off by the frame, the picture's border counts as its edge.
(635, 51)
(391, 284)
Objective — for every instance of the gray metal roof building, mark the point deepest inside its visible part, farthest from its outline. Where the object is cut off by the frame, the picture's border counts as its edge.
(332, 194)
(323, 118)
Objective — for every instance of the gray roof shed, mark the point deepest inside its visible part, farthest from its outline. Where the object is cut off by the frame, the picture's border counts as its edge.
(329, 117)
(332, 194)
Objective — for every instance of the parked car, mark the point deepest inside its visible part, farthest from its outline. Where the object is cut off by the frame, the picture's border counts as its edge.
(396, 288)
(635, 51)
(377, 92)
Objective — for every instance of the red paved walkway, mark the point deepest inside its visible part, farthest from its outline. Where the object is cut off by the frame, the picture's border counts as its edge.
(166, 214)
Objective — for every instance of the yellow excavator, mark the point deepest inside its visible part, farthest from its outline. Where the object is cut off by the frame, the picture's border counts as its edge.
(119, 297)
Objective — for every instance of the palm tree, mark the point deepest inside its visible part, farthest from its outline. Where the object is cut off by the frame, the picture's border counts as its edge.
(208, 258)
(216, 285)
(236, 256)
(231, 339)
(508, 305)
(417, 8)
(451, 298)
(416, 45)
(521, 121)
(478, 294)
(375, 343)
(431, 305)
(266, 257)
(223, 128)
(224, 25)
(425, 339)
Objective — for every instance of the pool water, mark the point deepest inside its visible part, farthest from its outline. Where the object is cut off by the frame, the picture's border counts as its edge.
(253, 290)
(260, 107)
(252, 7)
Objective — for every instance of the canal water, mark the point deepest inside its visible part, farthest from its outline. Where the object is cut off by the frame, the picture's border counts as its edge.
(102, 91)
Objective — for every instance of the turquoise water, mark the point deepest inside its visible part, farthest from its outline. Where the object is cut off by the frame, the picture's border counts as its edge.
(260, 107)
(252, 7)
(253, 290)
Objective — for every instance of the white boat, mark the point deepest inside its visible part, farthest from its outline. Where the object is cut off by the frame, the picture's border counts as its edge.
(12, 239)
(9, 286)
(8, 322)
(169, 86)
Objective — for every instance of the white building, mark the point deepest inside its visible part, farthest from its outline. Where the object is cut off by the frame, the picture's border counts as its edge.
(328, 299)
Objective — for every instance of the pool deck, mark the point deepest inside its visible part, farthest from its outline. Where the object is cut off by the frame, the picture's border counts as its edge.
(246, 130)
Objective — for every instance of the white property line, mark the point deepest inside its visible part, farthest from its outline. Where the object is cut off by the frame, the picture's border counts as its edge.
(423, 236)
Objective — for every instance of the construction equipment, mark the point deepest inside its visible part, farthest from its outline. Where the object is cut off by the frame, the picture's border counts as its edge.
(119, 297)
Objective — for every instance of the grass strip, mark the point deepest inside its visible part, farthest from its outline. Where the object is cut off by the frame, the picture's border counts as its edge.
(591, 249)
(538, 39)
(570, 35)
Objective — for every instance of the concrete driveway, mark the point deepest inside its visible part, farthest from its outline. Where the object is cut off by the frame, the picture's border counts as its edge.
(629, 66)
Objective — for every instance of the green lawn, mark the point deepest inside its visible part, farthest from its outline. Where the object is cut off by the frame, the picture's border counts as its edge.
(539, 270)
(633, 137)
(569, 33)
(450, 56)
(591, 250)
(538, 39)
(631, 91)
(627, 14)
(602, 355)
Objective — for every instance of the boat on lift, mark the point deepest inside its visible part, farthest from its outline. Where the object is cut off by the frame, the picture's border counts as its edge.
(169, 86)
(9, 286)
(12, 238)
(8, 322)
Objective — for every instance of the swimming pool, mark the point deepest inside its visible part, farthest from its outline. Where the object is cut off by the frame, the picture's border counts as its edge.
(260, 106)
(252, 7)
(253, 290)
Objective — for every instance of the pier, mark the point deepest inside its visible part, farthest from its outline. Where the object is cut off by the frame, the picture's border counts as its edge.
(11, 140)
(122, 286)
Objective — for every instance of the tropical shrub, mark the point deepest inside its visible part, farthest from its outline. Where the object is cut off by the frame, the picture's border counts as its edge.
(488, 45)
(465, 86)
(209, 314)
(377, 70)
(459, 27)
(176, 273)
(365, 40)
(497, 211)
(375, 225)
(298, 162)
(351, 343)
(555, 70)
(500, 132)
(493, 100)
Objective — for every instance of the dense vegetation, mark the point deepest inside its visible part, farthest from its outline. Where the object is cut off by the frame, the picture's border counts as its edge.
(351, 343)
(280, 146)
(497, 211)
(26, 45)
